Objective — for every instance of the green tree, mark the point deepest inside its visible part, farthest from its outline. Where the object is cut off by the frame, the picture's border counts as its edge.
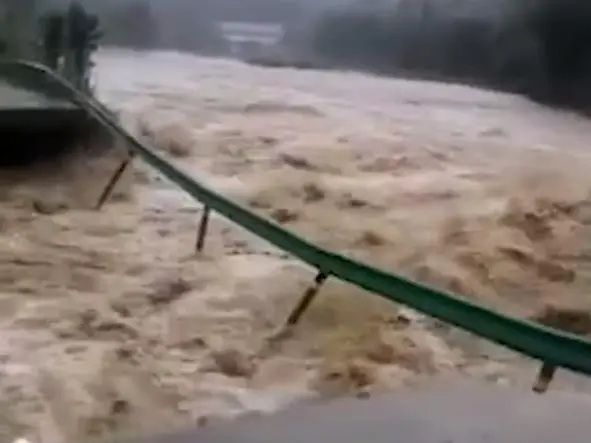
(131, 24)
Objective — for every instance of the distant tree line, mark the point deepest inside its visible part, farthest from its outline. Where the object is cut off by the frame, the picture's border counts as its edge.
(180, 24)
(130, 24)
(541, 48)
(140, 24)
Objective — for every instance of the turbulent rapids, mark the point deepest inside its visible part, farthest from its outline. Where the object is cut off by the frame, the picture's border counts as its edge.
(112, 324)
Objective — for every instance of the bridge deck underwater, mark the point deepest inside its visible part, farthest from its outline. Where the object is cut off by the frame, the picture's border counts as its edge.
(20, 107)
(13, 97)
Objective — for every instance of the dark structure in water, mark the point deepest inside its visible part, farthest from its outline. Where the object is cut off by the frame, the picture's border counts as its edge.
(41, 125)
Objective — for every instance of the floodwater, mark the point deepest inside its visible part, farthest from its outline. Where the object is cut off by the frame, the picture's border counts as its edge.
(111, 323)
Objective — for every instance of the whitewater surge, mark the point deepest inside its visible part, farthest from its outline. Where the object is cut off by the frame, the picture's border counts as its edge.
(111, 323)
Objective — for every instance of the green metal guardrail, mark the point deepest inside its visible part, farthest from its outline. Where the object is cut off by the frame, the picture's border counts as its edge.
(552, 347)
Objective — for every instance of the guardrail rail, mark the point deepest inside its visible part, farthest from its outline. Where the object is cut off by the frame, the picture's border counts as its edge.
(554, 348)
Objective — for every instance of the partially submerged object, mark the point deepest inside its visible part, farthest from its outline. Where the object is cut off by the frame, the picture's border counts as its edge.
(36, 128)
(38, 124)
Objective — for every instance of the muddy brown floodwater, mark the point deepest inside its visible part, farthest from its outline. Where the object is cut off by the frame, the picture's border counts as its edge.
(111, 324)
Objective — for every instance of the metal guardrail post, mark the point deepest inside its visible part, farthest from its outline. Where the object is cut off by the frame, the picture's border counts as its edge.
(273, 342)
(306, 300)
(108, 190)
(202, 230)
(545, 376)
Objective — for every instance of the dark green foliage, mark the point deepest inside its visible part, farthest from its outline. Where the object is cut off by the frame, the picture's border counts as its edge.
(18, 28)
(139, 24)
(563, 30)
(131, 24)
(83, 35)
(357, 37)
(53, 26)
(403, 40)
(185, 29)
(541, 48)
(68, 40)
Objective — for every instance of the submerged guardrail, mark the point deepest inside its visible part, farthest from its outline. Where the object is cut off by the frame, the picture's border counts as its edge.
(553, 347)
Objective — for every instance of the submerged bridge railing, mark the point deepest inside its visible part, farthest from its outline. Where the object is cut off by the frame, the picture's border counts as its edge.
(552, 347)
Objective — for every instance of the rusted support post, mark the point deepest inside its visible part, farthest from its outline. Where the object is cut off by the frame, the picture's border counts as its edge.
(307, 298)
(544, 379)
(273, 342)
(202, 231)
(113, 181)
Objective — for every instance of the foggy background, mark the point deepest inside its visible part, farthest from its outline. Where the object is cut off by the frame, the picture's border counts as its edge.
(540, 48)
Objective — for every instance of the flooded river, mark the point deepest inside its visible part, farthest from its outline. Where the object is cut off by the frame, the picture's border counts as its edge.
(111, 323)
